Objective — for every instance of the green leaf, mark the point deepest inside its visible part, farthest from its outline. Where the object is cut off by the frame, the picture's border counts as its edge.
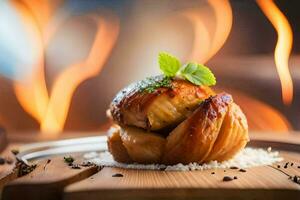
(152, 83)
(69, 159)
(198, 74)
(168, 64)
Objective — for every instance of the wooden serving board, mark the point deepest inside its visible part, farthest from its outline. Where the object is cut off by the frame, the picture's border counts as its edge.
(56, 180)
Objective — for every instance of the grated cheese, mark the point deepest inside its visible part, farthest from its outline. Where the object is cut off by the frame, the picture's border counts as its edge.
(248, 157)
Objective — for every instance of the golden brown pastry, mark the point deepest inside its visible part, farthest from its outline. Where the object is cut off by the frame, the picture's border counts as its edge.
(115, 145)
(176, 118)
(158, 109)
(216, 130)
(143, 146)
(132, 144)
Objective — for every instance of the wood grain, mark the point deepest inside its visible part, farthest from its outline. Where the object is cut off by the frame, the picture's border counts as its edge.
(46, 181)
(257, 183)
(7, 172)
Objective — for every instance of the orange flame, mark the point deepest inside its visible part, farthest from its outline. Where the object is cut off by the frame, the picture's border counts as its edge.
(69, 79)
(32, 92)
(51, 110)
(206, 43)
(283, 47)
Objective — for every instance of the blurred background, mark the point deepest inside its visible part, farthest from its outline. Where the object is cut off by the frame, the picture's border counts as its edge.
(62, 62)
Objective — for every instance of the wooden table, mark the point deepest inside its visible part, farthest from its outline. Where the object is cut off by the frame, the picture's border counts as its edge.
(56, 180)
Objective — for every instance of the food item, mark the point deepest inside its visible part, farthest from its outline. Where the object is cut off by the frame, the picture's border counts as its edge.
(176, 119)
(215, 131)
(164, 107)
(115, 145)
(142, 147)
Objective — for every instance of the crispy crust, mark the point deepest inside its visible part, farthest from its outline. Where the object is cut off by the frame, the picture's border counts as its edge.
(142, 146)
(115, 145)
(136, 108)
(194, 138)
(216, 130)
(130, 144)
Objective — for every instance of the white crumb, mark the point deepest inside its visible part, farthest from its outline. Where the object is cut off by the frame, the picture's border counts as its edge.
(269, 149)
(248, 157)
(90, 155)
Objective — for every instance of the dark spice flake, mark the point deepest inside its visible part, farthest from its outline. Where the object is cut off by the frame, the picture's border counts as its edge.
(296, 179)
(117, 175)
(24, 168)
(21, 167)
(48, 161)
(6, 161)
(227, 178)
(233, 167)
(242, 170)
(15, 151)
(213, 173)
(162, 168)
(286, 165)
(235, 177)
(2, 161)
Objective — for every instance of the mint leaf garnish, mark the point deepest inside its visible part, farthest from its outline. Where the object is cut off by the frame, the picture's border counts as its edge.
(195, 73)
(198, 74)
(168, 64)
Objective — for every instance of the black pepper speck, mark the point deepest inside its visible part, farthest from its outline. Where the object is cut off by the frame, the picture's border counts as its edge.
(162, 168)
(233, 167)
(117, 175)
(2, 161)
(296, 179)
(286, 165)
(227, 178)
